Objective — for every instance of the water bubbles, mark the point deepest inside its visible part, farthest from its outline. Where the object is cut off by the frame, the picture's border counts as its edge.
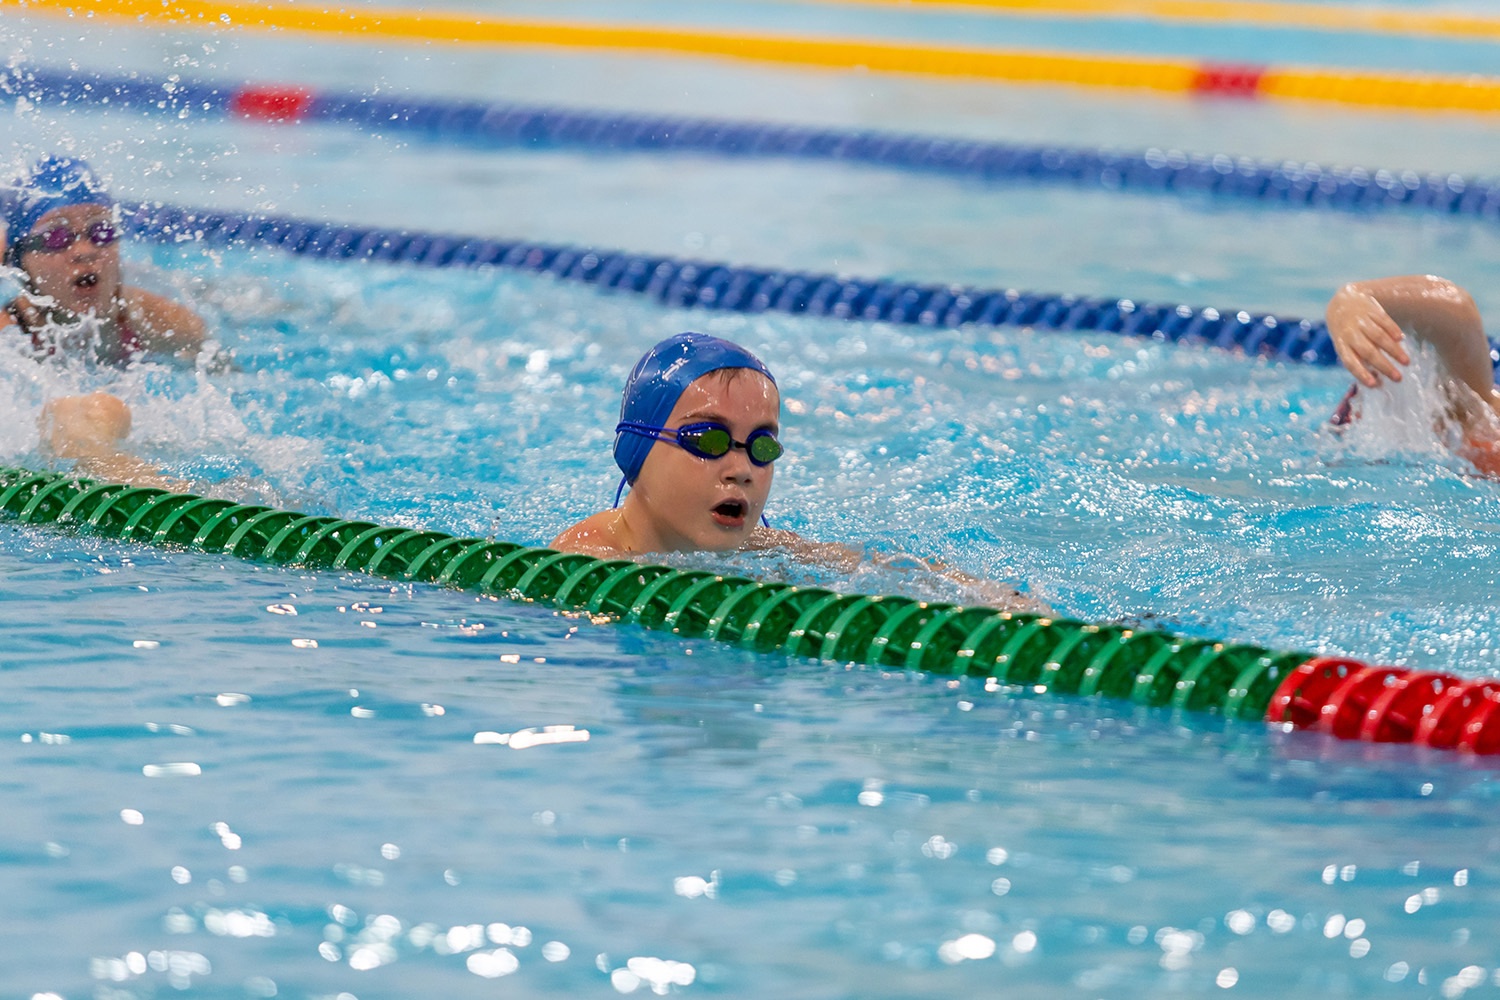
(657, 974)
(1280, 921)
(371, 956)
(238, 923)
(939, 848)
(694, 887)
(1467, 978)
(975, 947)
(1177, 947)
(492, 964)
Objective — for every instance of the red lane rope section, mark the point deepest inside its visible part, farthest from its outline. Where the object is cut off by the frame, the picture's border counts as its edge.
(1355, 701)
(1213, 80)
(271, 103)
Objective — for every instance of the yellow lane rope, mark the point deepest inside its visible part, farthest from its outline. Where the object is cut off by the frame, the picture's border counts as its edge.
(1406, 91)
(1295, 16)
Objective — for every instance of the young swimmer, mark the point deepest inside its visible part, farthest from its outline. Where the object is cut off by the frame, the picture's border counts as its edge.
(697, 442)
(64, 237)
(62, 234)
(1369, 322)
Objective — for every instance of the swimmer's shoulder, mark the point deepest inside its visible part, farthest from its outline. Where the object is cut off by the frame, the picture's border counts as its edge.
(597, 535)
(163, 324)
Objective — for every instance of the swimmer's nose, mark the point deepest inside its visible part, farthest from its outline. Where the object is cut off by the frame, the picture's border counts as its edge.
(737, 467)
(88, 249)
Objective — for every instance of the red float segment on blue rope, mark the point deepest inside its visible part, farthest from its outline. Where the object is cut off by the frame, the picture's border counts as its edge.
(271, 103)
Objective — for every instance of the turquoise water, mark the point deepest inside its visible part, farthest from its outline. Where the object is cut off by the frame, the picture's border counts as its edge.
(209, 795)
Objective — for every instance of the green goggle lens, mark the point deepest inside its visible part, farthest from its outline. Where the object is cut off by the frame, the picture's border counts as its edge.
(764, 449)
(714, 443)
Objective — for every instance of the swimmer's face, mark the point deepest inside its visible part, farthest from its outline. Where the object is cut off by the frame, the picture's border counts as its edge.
(689, 503)
(83, 278)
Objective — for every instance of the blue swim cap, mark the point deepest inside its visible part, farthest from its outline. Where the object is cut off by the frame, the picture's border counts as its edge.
(657, 380)
(55, 182)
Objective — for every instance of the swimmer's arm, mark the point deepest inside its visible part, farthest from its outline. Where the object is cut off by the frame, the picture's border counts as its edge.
(846, 560)
(1367, 320)
(164, 326)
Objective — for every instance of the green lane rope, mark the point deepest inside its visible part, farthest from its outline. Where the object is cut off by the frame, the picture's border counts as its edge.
(1040, 653)
(1344, 698)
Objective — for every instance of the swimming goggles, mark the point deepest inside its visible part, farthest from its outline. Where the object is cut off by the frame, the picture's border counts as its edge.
(59, 238)
(710, 439)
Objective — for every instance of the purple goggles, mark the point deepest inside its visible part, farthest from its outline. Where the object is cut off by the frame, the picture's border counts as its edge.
(59, 238)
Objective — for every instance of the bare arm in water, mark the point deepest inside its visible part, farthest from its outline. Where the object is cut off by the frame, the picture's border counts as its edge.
(845, 559)
(1369, 321)
(597, 536)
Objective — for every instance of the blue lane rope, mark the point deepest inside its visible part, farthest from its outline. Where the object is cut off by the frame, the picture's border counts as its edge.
(706, 285)
(1290, 183)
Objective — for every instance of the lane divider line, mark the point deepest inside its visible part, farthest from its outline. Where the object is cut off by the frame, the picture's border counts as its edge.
(1370, 88)
(1291, 184)
(1288, 16)
(690, 284)
(1341, 697)
(696, 284)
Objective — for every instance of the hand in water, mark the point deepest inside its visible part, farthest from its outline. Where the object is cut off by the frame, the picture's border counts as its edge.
(1367, 339)
(92, 430)
(91, 426)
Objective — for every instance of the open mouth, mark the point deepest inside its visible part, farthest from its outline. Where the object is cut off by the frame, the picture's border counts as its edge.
(731, 512)
(88, 280)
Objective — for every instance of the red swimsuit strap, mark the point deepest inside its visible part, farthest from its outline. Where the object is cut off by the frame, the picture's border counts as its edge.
(131, 344)
(128, 347)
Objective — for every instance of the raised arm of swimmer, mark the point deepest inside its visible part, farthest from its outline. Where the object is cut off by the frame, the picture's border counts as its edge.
(1369, 321)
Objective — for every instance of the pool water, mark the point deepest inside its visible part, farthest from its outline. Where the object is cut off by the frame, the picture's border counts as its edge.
(232, 780)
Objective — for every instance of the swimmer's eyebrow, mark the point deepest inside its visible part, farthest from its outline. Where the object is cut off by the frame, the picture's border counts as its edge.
(696, 416)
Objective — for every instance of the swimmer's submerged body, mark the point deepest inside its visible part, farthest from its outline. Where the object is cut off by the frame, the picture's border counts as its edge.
(1369, 322)
(696, 443)
(62, 234)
